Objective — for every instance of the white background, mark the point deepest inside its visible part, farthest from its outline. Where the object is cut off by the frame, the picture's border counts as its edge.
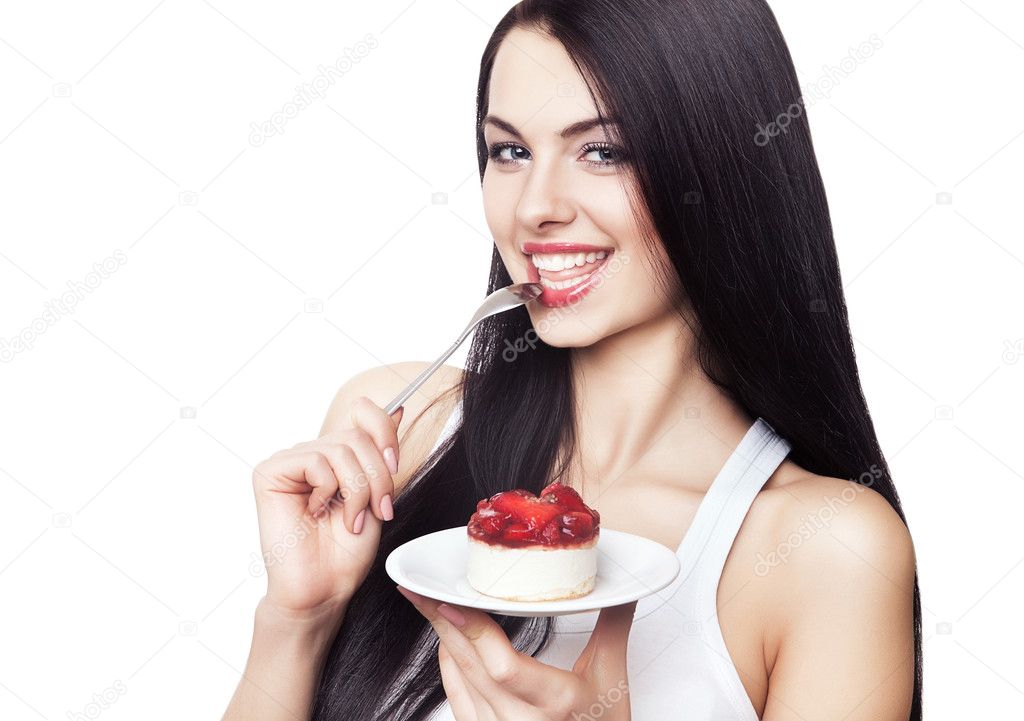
(127, 528)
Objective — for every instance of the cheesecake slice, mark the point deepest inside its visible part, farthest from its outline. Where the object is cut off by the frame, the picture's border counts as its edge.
(524, 547)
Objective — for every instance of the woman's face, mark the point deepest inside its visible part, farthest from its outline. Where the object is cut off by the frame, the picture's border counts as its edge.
(556, 199)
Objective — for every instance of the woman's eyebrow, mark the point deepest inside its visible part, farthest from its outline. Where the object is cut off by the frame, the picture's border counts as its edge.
(575, 129)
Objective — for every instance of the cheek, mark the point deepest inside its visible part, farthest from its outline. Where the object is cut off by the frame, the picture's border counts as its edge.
(498, 202)
(607, 206)
(609, 212)
(499, 214)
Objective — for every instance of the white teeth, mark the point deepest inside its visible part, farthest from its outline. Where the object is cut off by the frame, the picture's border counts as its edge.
(563, 284)
(561, 261)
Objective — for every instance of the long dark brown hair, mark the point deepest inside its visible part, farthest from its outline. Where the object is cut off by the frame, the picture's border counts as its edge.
(743, 218)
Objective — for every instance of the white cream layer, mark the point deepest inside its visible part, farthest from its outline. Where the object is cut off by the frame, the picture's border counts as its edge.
(533, 573)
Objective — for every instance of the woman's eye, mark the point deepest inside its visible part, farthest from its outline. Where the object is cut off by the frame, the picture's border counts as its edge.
(595, 154)
(508, 153)
(603, 154)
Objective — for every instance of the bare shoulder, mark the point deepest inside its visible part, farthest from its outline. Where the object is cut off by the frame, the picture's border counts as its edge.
(838, 563)
(425, 411)
(853, 524)
(808, 537)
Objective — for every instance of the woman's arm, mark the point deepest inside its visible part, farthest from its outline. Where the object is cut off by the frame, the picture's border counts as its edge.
(291, 637)
(285, 660)
(845, 617)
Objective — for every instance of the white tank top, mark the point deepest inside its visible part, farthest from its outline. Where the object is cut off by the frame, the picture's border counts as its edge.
(678, 663)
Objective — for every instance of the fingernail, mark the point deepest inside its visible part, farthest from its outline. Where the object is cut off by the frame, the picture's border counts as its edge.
(391, 459)
(386, 509)
(452, 614)
(357, 526)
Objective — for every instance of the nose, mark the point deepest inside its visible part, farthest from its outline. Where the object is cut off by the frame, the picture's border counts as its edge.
(546, 200)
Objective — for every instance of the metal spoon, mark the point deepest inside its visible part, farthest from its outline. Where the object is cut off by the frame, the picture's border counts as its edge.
(497, 302)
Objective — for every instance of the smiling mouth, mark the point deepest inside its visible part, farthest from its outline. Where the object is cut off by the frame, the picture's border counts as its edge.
(559, 271)
(566, 271)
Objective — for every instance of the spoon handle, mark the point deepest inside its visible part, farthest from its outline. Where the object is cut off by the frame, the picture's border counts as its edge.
(422, 377)
(497, 302)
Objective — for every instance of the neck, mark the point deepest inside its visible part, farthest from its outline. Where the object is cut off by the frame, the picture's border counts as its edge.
(643, 403)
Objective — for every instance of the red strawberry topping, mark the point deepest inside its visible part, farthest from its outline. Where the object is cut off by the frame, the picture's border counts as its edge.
(557, 517)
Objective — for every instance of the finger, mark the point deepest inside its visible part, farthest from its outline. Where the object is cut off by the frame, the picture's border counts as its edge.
(298, 473)
(605, 657)
(613, 626)
(466, 703)
(465, 655)
(530, 680)
(522, 677)
(382, 428)
(374, 475)
(353, 493)
(353, 489)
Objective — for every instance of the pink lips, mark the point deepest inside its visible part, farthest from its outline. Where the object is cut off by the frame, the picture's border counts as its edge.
(551, 297)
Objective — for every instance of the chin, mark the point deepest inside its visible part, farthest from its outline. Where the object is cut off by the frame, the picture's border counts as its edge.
(570, 334)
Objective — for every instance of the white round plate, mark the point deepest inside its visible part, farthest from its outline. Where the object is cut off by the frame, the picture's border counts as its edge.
(629, 567)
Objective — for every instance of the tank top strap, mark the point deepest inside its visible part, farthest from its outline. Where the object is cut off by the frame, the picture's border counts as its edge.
(714, 529)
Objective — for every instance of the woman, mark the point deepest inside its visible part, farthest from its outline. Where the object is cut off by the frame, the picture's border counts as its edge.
(697, 387)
